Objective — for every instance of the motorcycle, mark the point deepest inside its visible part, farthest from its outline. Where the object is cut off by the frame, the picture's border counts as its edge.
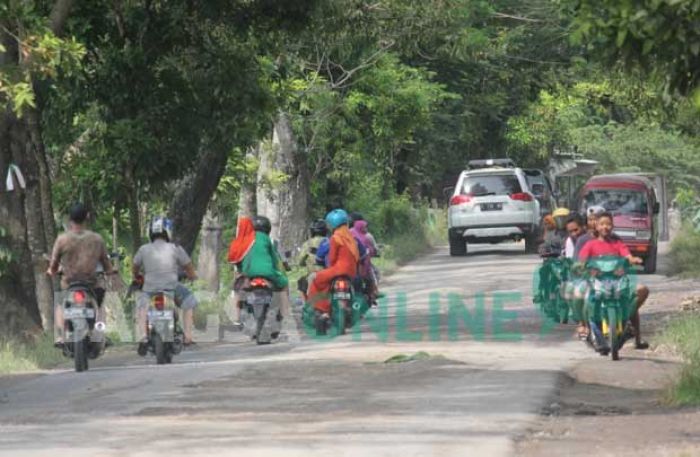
(347, 308)
(165, 336)
(555, 271)
(610, 305)
(84, 334)
(261, 316)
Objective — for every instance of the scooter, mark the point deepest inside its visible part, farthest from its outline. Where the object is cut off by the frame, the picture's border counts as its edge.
(165, 336)
(84, 335)
(261, 316)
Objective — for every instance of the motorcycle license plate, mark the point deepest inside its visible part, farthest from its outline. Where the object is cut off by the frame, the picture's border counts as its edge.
(491, 206)
(259, 300)
(78, 313)
(342, 295)
(166, 315)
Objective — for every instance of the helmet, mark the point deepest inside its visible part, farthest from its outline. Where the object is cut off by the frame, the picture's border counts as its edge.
(354, 216)
(318, 228)
(160, 227)
(336, 218)
(595, 211)
(262, 224)
(560, 216)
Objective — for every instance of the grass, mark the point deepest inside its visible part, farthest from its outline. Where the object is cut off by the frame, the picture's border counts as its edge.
(683, 333)
(17, 357)
(685, 248)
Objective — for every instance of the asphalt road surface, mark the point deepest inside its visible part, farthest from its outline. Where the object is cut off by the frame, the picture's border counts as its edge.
(492, 365)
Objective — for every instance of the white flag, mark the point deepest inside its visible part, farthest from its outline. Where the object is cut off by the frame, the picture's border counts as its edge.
(10, 183)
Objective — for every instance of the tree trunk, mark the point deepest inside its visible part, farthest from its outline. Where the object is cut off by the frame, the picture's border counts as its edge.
(193, 195)
(247, 201)
(209, 249)
(18, 282)
(34, 126)
(286, 204)
(134, 213)
(36, 241)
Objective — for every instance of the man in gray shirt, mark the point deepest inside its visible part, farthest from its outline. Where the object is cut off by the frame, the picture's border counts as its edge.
(161, 261)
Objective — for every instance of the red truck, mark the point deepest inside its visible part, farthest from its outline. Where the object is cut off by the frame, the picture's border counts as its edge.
(633, 203)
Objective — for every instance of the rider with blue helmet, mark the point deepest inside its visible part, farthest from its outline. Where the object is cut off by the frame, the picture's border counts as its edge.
(343, 260)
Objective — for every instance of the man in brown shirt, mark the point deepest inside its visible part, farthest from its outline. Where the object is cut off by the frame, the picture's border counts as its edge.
(78, 252)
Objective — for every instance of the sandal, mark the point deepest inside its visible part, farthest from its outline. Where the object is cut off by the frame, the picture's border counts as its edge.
(582, 333)
(641, 345)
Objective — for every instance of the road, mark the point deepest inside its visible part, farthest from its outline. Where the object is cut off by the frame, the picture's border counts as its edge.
(483, 384)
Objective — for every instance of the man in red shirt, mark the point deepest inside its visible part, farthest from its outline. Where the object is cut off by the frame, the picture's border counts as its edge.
(607, 245)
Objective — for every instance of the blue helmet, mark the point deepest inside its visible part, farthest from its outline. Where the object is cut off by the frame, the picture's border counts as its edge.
(336, 218)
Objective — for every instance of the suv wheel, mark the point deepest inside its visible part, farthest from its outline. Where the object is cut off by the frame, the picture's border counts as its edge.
(458, 247)
(650, 262)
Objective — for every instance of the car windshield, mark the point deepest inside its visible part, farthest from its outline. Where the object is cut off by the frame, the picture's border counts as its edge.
(620, 201)
(479, 185)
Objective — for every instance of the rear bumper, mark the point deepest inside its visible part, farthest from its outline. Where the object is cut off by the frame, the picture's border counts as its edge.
(640, 248)
(490, 233)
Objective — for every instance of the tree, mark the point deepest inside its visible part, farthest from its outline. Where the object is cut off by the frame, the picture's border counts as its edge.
(660, 36)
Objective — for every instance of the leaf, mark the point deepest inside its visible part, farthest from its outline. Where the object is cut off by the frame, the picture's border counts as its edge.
(621, 36)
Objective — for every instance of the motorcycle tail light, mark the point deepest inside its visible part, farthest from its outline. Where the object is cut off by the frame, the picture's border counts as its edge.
(159, 302)
(342, 285)
(258, 282)
(79, 296)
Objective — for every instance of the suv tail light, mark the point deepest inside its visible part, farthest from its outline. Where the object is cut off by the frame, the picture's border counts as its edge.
(341, 285)
(79, 296)
(459, 199)
(159, 302)
(521, 196)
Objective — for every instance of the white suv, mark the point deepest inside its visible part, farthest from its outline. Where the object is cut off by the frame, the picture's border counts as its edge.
(490, 205)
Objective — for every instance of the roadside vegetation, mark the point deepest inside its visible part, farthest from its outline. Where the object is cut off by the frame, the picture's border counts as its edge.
(685, 252)
(28, 356)
(683, 334)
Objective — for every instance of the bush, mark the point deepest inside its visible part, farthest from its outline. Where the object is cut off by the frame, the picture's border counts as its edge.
(685, 252)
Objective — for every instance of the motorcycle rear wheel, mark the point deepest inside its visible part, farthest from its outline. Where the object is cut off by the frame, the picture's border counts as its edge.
(161, 350)
(80, 355)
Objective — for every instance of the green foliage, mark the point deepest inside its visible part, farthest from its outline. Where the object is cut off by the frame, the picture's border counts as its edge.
(683, 333)
(660, 36)
(602, 121)
(685, 248)
(32, 52)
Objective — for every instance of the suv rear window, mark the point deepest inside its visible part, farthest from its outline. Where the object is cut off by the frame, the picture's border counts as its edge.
(478, 185)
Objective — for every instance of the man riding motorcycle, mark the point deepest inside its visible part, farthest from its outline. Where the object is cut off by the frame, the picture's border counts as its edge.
(606, 244)
(161, 261)
(78, 252)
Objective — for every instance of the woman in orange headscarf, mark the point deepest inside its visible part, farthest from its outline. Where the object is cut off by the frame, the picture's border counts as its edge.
(343, 258)
(240, 246)
(245, 237)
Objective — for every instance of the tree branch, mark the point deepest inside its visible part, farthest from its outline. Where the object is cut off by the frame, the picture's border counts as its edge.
(516, 18)
(59, 15)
